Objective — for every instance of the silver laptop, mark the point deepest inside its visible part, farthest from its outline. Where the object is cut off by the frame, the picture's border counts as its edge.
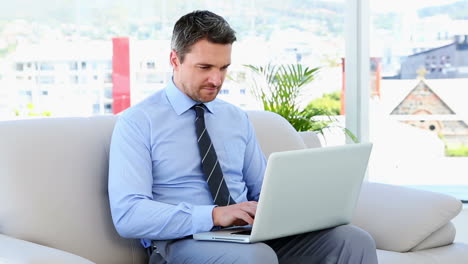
(303, 191)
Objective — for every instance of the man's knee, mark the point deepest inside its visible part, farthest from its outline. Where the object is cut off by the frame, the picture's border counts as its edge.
(257, 253)
(353, 235)
(192, 251)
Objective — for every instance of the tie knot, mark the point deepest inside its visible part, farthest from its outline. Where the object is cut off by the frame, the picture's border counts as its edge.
(199, 109)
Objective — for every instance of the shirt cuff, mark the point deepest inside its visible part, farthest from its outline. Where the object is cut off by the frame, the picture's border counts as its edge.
(202, 218)
(146, 243)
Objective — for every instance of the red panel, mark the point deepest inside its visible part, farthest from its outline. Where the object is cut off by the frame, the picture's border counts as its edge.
(120, 74)
(343, 87)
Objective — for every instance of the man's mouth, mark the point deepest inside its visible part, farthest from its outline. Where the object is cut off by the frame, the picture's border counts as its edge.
(211, 88)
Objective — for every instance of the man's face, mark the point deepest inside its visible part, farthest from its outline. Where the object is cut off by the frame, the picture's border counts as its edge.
(202, 73)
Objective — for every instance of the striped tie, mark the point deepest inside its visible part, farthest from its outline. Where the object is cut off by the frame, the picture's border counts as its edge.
(210, 164)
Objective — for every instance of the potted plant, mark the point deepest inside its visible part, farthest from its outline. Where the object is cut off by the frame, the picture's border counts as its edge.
(278, 88)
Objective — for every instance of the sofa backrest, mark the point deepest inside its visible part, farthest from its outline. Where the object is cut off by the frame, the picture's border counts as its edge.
(274, 133)
(53, 190)
(53, 175)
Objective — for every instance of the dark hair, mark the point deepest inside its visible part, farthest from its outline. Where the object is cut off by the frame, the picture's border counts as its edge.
(197, 25)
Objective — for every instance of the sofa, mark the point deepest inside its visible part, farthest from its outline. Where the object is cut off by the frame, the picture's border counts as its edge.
(55, 208)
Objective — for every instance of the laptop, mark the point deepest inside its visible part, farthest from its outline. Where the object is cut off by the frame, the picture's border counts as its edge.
(303, 191)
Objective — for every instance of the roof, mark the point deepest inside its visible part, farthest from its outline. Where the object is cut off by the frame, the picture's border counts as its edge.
(431, 50)
(454, 92)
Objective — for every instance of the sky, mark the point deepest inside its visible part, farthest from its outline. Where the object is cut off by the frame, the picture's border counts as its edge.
(397, 5)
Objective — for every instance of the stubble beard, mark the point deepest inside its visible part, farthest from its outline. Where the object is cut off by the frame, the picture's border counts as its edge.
(199, 96)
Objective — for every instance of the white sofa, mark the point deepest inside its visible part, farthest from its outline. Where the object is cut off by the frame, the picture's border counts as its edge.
(54, 202)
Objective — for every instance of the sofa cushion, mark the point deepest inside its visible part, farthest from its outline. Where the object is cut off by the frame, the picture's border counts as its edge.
(399, 218)
(274, 133)
(19, 251)
(441, 237)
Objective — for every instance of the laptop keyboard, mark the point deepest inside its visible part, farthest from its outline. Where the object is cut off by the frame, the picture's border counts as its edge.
(244, 232)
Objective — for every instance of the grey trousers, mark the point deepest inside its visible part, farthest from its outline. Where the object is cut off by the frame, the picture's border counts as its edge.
(343, 244)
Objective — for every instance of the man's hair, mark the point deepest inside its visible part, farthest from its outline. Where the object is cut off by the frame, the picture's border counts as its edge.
(197, 25)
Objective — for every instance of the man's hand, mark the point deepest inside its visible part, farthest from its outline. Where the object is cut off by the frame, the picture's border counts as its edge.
(237, 214)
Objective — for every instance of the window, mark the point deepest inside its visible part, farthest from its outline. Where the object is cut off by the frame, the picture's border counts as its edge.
(418, 122)
(306, 32)
(154, 78)
(46, 66)
(108, 78)
(73, 66)
(45, 79)
(108, 108)
(83, 79)
(74, 79)
(108, 93)
(107, 65)
(19, 66)
(150, 65)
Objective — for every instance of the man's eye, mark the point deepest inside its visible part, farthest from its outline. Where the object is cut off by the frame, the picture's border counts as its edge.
(204, 67)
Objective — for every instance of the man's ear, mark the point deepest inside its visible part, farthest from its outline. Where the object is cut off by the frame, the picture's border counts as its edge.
(174, 60)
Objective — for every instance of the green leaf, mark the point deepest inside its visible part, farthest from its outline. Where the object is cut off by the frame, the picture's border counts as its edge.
(351, 135)
(278, 88)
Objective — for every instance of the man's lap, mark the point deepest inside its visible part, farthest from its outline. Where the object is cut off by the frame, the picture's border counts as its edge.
(342, 244)
(193, 251)
(325, 246)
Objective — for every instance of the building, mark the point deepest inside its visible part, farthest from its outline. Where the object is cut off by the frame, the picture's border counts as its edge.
(64, 78)
(449, 61)
(444, 114)
(61, 78)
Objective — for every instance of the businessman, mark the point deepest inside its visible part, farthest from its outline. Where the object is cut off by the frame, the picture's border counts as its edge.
(184, 162)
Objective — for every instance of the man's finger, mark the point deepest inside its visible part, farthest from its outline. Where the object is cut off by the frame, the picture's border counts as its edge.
(245, 217)
(250, 208)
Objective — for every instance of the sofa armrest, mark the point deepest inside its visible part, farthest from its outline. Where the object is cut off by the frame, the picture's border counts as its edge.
(17, 251)
(400, 218)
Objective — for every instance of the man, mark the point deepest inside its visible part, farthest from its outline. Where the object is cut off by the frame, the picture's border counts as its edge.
(161, 188)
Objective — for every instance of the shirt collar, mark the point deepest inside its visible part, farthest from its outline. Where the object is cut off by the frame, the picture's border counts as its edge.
(181, 102)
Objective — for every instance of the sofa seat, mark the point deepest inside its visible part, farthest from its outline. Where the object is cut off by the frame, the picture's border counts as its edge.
(450, 254)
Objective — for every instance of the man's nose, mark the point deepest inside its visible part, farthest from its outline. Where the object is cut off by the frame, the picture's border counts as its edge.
(216, 78)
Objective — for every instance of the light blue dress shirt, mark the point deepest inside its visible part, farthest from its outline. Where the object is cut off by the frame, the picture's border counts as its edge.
(157, 189)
